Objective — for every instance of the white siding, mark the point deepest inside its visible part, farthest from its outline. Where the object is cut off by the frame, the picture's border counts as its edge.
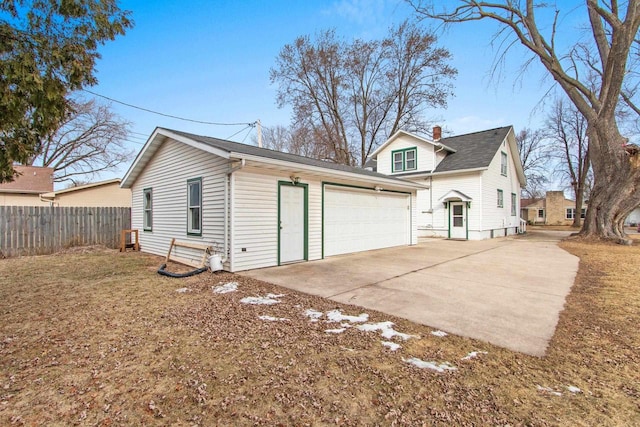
(255, 224)
(167, 174)
(255, 211)
(495, 218)
(424, 153)
(437, 222)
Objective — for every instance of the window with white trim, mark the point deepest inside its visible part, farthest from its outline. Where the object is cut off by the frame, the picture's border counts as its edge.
(503, 163)
(404, 160)
(194, 206)
(147, 208)
(541, 213)
(500, 199)
(514, 201)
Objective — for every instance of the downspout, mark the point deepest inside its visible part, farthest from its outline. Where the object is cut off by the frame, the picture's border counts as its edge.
(227, 190)
(46, 200)
(435, 157)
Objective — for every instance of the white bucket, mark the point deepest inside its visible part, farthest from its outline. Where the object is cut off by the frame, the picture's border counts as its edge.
(215, 262)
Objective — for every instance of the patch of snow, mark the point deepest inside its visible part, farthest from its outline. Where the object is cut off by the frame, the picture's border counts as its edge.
(335, 331)
(422, 364)
(266, 300)
(275, 295)
(337, 316)
(312, 314)
(273, 319)
(439, 333)
(226, 288)
(574, 389)
(386, 330)
(391, 345)
(473, 355)
(548, 390)
(183, 290)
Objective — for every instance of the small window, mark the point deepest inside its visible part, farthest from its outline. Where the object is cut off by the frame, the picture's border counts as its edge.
(404, 160)
(570, 213)
(583, 213)
(147, 208)
(410, 160)
(540, 213)
(514, 201)
(194, 206)
(500, 199)
(503, 164)
(398, 161)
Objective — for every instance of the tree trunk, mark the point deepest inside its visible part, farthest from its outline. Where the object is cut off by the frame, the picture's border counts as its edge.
(577, 213)
(613, 168)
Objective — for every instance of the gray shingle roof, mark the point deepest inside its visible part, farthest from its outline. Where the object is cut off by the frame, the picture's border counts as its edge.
(252, 150)
(473, 150)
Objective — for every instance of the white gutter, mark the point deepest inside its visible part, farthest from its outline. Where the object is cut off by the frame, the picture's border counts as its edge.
(457, 171)
(325, 171)
(228, 188)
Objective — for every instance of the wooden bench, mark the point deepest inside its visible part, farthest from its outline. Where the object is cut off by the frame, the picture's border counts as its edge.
(206, 250)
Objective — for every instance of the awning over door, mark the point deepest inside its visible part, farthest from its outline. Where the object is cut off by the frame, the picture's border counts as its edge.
(360, 219)
(455, 196)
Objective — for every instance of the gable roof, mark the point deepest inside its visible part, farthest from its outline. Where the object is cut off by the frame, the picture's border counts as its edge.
(473, 150)
(412, 135)
(31, 179)
(230, 149)
(82, 187)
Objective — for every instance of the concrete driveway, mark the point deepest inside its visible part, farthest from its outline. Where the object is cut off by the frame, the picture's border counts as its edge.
(507, 291)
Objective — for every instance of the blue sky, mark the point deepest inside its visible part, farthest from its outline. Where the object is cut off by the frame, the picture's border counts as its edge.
(209, 60)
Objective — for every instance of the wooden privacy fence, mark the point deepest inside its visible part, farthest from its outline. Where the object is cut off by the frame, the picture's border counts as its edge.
(37, 230)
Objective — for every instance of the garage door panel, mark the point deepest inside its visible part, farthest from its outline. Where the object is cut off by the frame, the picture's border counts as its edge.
(356, 220)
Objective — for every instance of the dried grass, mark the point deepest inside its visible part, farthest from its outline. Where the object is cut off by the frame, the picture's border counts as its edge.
(98, 338)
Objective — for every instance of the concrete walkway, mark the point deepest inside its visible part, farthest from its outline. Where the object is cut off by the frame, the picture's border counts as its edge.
(507, 291)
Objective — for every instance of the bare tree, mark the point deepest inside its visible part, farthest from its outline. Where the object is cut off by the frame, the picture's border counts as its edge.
(353, 96)
(290, 140)
(535, 159)
(90, 140)
(593, 73)
(567, 129)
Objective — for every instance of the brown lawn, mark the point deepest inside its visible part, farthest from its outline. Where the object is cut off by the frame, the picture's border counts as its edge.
(96, 337)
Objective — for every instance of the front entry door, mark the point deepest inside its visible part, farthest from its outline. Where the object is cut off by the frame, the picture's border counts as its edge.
(457, 220)
(292, 223)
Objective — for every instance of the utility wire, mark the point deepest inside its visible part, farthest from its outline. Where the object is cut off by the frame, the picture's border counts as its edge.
(167, 115)
(241, 130)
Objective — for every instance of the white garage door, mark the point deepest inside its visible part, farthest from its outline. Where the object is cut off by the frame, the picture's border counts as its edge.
(360, 220)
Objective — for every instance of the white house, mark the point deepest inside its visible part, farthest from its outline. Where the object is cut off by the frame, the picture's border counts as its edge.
(472, 181)
(260, 207)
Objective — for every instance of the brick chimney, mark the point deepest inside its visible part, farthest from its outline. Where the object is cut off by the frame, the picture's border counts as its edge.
(437, 133)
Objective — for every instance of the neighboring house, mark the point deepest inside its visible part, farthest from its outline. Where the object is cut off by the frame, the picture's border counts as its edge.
(259, 207)
(99, 194)
(26, 188)
(553, 209)
(472, 181)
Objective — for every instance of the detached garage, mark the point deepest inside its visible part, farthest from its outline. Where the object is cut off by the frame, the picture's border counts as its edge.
(259, 207)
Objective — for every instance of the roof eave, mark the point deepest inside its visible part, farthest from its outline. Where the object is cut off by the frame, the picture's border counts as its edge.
(397, 182)
(436, 173)
(153, 143)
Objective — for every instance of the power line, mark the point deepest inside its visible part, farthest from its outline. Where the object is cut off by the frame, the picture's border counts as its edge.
(241, 130)
(166, 115)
